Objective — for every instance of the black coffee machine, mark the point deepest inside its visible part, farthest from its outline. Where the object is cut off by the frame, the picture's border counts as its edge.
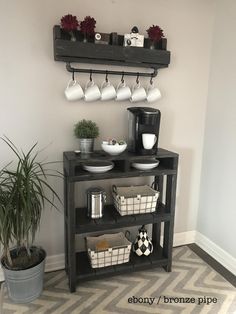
(143, 120)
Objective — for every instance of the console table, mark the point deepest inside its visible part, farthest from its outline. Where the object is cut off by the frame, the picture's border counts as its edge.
(77, 264)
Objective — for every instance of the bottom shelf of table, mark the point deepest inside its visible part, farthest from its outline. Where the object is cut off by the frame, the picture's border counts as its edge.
(85, 272)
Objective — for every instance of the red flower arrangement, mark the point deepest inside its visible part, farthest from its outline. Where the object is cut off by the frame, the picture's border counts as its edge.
(87, 26)
(155, 33)
(69, 23)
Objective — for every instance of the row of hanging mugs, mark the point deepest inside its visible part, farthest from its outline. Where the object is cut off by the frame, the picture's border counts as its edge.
(107, 91)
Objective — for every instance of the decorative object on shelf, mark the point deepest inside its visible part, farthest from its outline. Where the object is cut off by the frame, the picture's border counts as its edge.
(153, 93)
(86, 131)
(69, 23)
(98, 166)
(114, 149)
(155, 34)
(73, 90)
(108, 91)
(134, 39)
(102, 38)
(118, 251)
(142, 244)
(96, 198)
(87, 27)
(24, 190)
(145, 164)
(114, 38)
(134, 199)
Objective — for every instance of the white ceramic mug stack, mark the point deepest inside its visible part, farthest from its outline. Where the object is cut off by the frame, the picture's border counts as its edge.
(123, 92)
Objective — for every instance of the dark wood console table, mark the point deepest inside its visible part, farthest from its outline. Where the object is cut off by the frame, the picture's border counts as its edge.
(76, 221)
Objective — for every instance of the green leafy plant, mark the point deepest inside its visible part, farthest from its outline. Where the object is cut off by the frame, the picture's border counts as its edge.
(86, 129)
(23, 193)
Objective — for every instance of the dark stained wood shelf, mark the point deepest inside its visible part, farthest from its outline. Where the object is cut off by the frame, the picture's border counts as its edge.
(113, 220)
(85, 272)
(78, 51)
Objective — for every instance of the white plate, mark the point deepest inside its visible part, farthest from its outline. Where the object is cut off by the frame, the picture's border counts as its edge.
(145, 166)
(94, 169)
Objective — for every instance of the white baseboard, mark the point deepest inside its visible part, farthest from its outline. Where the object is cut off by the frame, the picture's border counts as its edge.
(220, 255)
(56, 262)
(184, 238)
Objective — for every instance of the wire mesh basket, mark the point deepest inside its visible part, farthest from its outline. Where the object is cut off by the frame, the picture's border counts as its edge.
(118, 251)
(135, 199)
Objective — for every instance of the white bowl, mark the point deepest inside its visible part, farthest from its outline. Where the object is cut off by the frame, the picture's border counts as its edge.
(114, 149)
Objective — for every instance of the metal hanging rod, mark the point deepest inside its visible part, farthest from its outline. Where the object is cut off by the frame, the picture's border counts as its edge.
(106, 72)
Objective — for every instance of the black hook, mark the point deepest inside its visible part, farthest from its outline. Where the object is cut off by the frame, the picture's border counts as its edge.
(137, 79)
(106, 76)
(73, 75)
(151, 80)
(91, 75)
(122, 77)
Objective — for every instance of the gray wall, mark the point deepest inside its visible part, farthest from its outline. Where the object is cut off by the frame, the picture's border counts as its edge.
(217, 211)
(33, 107)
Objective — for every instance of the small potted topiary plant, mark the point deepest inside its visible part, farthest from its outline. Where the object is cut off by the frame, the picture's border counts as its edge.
(86, 131)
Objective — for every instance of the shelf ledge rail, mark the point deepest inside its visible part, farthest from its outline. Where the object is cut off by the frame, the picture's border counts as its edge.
(106, 72)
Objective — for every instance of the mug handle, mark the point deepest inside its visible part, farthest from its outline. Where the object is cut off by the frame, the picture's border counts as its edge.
(71, 83)
(136, 86)
(155, 139)
(105, 83)
(120, 84)
(89, 84)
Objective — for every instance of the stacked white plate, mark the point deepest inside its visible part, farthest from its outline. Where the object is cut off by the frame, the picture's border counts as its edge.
(145, 164)
(98, 166)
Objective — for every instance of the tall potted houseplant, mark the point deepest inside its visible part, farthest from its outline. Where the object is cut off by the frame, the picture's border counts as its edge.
(86, 131)
(23, 194)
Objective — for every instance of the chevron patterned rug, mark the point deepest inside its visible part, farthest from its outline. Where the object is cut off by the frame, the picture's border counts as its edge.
(192, 287)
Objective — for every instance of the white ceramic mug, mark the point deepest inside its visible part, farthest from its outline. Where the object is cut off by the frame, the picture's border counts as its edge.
(153, 93)
(138, 93)
(108, 91)
(92, 91)
(149, 140)
(73, 91)
(123, 92)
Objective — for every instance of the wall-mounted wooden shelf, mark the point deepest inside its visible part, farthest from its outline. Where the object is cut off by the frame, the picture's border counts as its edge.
(69, 51)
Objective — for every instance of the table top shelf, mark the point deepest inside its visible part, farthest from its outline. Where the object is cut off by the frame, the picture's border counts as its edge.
(73, 165)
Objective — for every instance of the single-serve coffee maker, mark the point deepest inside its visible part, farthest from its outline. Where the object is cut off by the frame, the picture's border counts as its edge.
(144, 125)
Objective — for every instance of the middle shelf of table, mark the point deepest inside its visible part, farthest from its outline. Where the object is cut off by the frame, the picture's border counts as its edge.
(113, 220)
